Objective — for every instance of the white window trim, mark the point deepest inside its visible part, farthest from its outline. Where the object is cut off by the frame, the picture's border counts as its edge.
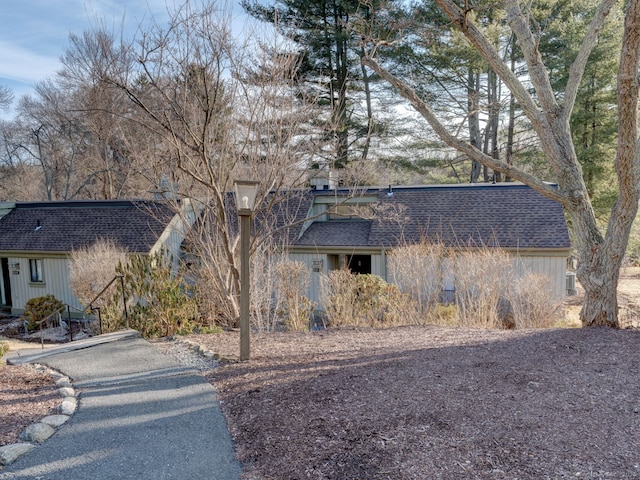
(38, 263)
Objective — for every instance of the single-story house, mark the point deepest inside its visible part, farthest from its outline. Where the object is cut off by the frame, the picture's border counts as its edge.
(333, 227)
(37, 238)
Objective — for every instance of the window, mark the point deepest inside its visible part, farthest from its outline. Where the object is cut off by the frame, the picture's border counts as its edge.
(350, 212)
(35, 267)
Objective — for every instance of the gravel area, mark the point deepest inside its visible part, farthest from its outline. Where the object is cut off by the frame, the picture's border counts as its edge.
(26, 394)
(186, 353)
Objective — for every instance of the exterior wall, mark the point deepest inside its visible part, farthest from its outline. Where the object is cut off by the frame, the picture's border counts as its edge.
(315, 261)
(171, 239)
(551, 266)
(320, 264)
(55, 273)
(3, 295)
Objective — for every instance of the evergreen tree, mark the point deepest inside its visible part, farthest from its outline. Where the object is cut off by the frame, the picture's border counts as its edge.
(593, 120)
(329, 60)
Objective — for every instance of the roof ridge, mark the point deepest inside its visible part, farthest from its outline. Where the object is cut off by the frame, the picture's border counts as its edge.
(86, 203)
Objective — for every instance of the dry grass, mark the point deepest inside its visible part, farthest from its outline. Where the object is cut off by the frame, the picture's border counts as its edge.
(491, 290)
(417, 270)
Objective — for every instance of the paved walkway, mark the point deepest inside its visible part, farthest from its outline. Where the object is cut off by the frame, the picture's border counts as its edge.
(140, 416)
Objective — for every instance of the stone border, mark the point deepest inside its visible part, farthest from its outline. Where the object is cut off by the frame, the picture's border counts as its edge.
(38, 432)
(202, 350)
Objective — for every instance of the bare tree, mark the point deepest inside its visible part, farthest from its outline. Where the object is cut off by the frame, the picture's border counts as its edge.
(53, 139)
(19, 177)
(6, 97)
(75, 127)
(599, 255)
(222, 111)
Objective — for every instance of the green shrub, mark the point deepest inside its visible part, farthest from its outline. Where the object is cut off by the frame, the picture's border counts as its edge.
(161, 302)
(364, 300)
(4, 348)
(39, 308)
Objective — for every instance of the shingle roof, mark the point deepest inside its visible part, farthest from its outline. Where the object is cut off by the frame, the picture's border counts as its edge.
(281, 215)
(64, 226)
(506, 215)
(337, 233)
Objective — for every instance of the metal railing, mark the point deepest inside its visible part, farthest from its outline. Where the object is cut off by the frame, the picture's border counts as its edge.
(68, 324)
(91, 308)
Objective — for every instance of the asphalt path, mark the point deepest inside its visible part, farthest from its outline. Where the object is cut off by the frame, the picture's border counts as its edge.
(140, 416)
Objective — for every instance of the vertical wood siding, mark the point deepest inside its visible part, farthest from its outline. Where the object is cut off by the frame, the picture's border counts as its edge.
(552, 267)
(55, 272)
(555, 268)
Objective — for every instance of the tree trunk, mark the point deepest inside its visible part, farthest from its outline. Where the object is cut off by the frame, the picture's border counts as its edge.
(600, 307)
(599, 257)
(367, 96)
(512, 108)
(473, 87)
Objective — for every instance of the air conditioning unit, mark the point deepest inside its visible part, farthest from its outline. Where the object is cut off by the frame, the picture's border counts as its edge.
(571, 284)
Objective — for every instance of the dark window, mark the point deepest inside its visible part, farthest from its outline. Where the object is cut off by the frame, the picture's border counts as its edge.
(35, 267)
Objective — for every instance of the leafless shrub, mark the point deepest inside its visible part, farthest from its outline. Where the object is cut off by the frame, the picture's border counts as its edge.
(417, 270)
(264, 300)
(490, 291)
(338, 297)
(531, 302)
(217, 292)
(92, 268)
(293, 279)
(482, 277)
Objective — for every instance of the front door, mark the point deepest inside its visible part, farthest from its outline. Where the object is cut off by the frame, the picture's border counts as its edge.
(6, 282)
(359, 264)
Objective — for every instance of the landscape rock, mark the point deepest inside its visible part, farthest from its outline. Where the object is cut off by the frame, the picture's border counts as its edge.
(10, 453)
(68, 406)
(63, 382)
(37, 433)
(67, 392)
(55, 420)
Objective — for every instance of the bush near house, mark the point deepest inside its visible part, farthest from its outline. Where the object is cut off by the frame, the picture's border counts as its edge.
(292, 281)
(490, 292)
(364, 300)
(4, 348)
(92, 268)
(161, 302)
(39, 308)
(278, 292)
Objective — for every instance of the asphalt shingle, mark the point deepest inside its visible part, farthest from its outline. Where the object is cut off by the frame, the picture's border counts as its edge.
(506, 215)
(60, 227)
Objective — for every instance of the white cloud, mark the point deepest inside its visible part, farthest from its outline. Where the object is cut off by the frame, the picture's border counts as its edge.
(24, 65)
(35, 33)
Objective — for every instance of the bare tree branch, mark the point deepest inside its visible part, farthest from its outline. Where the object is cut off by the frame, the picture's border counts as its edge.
(406, 91)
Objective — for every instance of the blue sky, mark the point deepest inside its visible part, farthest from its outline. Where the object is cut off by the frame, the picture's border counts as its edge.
(35, 33)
